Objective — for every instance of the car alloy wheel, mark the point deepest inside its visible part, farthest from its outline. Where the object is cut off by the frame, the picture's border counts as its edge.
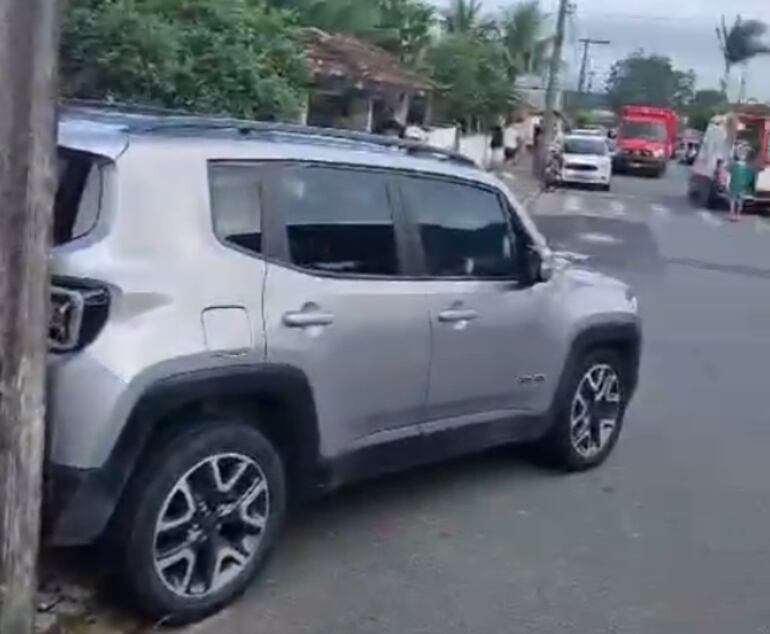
(210, 525)
(596, 410)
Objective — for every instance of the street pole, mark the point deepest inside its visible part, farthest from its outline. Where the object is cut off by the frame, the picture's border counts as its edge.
(587, 42)
(27, 131)
(549, 118)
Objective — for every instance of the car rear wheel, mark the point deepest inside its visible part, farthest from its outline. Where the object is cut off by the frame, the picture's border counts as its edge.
(200, 519)
(589, 420)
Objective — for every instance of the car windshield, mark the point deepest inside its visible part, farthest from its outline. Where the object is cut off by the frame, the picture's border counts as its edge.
(586, 146)
(647, 130)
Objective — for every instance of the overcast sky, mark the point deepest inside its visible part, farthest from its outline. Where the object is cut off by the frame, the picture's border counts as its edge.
(681, 29)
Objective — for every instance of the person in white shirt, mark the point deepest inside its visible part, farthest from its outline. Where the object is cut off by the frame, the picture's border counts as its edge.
(511, 143)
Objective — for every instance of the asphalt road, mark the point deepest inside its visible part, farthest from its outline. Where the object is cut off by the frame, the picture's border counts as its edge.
(671, 535)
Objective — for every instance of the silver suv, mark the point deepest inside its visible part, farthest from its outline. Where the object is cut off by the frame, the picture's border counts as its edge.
(245, 315)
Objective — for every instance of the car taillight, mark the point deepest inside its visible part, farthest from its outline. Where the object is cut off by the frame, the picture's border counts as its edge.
(78, 313)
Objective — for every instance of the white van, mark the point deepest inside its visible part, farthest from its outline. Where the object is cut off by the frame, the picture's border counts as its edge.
(710, 175)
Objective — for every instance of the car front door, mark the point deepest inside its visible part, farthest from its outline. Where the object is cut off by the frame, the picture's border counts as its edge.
(485, 316)
(338, 307)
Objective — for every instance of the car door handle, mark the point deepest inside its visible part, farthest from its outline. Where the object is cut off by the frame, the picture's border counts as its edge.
(454, 315)
(302, 319)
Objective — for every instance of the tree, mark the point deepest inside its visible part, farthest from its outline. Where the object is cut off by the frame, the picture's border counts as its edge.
(472, 80)
(740, 43)
(357, 17)
(649, 80)
(521, 32)
(235, 57)
(709, 98)
(402, 27)
(705, 104)
(405, 29)
(464, 17)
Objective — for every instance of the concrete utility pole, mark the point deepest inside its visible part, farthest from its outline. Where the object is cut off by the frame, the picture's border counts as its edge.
(28, 50)
(549, 118)
(587, 42)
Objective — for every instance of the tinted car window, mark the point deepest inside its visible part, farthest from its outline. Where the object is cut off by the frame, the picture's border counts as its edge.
(78, 195)
(235, 203)
(587, 146)
(338, 220)
(464, 229)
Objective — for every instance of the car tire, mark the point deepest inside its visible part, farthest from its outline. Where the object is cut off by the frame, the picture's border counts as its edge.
(566, 445)
(233, 519)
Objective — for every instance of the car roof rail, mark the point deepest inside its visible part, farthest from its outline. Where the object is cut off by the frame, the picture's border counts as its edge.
(150, 119)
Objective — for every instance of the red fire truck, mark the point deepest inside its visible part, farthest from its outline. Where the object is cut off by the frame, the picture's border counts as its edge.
(646, 139)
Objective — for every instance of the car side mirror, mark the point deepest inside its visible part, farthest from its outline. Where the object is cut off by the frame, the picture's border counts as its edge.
(539, 265)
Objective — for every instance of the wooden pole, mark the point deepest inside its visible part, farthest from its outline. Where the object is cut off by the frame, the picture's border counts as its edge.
(28, 49)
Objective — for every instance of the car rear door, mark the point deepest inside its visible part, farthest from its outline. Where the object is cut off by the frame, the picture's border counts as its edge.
(339, 307)
(485, 318)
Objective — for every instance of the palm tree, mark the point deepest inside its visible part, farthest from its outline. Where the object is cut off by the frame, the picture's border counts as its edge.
(521, 29)
(463, 17)
(405, 29)
(740, 43)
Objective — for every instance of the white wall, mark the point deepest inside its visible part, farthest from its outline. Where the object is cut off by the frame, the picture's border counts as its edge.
(474, 146)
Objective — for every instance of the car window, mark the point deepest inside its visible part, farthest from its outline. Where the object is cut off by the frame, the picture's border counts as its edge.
(337, 220)
(78, 195)
(235, 204)
(585, 145)
(464, 229)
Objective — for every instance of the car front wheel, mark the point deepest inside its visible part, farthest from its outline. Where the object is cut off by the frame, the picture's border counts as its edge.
(589, 420)
(200, 519)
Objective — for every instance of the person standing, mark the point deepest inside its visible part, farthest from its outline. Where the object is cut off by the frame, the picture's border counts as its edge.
(511, 142)
(741, 182)
(496, 144)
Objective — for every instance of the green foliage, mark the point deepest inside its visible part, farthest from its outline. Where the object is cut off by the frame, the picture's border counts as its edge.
(704, 106)
(649, 80)
(464, 17)
(245, 58)
(709, 98)
(405, 29)
(472, 78)
(357, 17)
(521, 31)
(233, 57)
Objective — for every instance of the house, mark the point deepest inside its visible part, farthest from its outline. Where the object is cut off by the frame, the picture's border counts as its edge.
(359, 86)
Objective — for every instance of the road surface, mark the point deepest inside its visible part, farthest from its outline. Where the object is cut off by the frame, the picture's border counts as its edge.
(672, 535)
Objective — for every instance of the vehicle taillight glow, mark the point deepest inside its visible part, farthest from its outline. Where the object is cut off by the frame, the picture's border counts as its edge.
(78, 313)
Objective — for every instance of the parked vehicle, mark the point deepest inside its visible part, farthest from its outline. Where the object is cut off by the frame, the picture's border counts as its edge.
(646, 139)
(709, 178)
(586, 160)
(245, 315)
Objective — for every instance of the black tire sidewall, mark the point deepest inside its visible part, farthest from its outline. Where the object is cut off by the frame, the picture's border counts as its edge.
(560, 439)
(158, 476)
